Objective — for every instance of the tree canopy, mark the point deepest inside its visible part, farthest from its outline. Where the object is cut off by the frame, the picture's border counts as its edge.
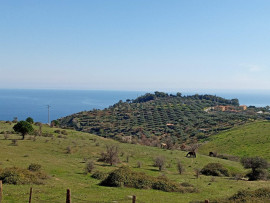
(23, 127)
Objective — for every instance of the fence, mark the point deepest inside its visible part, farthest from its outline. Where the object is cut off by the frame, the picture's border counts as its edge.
(68, 196)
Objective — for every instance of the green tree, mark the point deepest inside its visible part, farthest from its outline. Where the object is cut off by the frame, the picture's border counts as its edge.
(23, 127)
(30, 120)
(257, 166)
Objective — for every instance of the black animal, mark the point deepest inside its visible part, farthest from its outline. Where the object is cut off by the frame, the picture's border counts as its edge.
(191, 154)
(212, 154)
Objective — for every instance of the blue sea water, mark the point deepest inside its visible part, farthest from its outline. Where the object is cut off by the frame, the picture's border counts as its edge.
(33, 103)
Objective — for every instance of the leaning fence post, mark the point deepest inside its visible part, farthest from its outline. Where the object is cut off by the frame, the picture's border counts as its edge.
(68, 196)
(1, 191)
(133, 199)
(30, 195)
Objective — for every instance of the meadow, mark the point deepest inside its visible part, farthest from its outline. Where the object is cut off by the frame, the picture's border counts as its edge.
(252, 139)
(64, 157)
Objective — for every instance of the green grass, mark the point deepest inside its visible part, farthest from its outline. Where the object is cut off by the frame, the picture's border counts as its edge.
(249, 140)
(67, 170)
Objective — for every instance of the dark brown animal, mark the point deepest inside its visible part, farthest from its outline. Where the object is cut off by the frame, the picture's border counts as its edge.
(191, 154)
(212, 154)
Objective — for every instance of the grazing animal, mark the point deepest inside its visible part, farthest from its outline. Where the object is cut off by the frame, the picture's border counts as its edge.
(212, 154)
(191, 154)
(163, 145)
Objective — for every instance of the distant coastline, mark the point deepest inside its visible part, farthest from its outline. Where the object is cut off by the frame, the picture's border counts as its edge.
(23, 103)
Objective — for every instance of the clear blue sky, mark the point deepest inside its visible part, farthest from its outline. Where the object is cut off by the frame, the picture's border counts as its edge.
(135, 44)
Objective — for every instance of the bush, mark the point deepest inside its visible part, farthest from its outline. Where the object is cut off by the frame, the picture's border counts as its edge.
(14, 142)
(125, 177)
(100, 175)
(89, 167)
(18, 176)
(64, 132)
(180, 167)
(57, 131)
(34, 167)
(215, 169)
(257, 166)
(30, 120)
(259, 195)
(159, 162)
(111, 155)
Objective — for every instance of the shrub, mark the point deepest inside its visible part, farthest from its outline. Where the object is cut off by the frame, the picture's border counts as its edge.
(100, 175)
(14, 142)
(89, 167)
(19, 176)
(180, 167)
(64, 132)
(34, 167)
(6, 136)
(159, 162)
(139, 164)
(257, 166)
(69, 150)
(259, 195)
(57, 131)
(30, 120)
(125, 177)
(111, 155)
(214, 169)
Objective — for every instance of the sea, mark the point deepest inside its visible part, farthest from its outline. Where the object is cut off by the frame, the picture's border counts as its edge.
(38, 104)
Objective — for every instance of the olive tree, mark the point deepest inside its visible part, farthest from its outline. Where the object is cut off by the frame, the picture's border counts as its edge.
(23, 127)
(257, 166)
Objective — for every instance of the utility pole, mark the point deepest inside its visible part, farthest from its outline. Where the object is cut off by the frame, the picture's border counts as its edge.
(48, 114)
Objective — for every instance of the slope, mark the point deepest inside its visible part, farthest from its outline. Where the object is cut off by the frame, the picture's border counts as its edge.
(66, 170)
(249, 140)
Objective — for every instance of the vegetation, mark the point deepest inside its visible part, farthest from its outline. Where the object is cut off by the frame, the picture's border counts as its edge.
(257, 166)
(260, 195)
(68, 170)
(18, 176)
(23, 127)
(34, 167)
(89, 167)
(158, 118)
(243, 141)
(30, 120)
(111, 155)
(128, 178)
(215, 169)
(159, 162)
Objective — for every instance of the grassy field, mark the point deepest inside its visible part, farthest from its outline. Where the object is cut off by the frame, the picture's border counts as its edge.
(67, 170)
(249, 140)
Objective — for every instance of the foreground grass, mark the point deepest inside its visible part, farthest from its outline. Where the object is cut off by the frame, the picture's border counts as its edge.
(67, 170)
(249, 140)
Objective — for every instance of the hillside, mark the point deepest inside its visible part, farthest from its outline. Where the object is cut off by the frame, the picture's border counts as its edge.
(66, 169)
(157, 118)
(249, 140)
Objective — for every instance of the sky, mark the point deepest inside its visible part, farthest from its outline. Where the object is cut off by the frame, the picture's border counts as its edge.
(135, 44)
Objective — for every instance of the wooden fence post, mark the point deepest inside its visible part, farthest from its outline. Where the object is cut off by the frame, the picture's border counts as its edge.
(133, 199)
(1, 191)
(206, 201)
(30, 195)
(68, 196)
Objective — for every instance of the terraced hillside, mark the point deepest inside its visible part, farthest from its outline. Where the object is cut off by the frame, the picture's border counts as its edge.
(249, 140)
(155, 118)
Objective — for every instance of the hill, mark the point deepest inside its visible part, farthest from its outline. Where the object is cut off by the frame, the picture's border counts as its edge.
(252, 139)
(63, 156)
(157, 118)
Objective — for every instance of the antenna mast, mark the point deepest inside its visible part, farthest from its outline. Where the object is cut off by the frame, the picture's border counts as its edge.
(48, 114)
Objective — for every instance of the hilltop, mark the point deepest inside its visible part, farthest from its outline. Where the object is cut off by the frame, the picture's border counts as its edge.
(63, 155)
(158, 118)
